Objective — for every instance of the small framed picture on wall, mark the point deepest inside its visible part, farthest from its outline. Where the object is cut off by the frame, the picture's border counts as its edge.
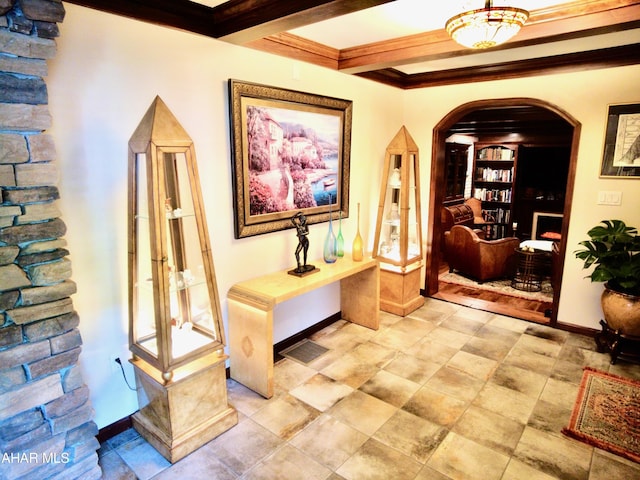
(621, 155)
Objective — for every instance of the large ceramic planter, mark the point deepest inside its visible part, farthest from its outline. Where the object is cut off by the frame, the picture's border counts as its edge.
(621, 311)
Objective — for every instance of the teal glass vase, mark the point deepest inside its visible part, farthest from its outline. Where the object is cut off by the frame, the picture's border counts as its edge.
(340, 240)
(330, 243)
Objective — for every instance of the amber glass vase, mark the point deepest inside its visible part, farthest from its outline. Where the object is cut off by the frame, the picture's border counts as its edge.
(357, 250)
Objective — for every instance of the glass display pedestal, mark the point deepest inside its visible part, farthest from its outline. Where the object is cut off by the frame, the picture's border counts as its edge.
(398, 237)
(180, 415)
(175, 323)
(400, 291)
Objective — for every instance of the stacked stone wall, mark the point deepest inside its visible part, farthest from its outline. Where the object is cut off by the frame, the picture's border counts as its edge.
(46, 420)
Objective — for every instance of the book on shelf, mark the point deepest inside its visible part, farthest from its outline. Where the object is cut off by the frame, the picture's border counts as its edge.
(487, 174)
(493, 194)
(495, 153)
(497, 215)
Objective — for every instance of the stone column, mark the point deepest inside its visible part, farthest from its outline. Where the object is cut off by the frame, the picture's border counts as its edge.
(46, 419)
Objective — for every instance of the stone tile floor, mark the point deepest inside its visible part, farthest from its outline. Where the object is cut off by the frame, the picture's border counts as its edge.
(447, 392)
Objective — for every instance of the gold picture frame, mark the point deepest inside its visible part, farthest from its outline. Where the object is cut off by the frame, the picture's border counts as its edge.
(290, 153)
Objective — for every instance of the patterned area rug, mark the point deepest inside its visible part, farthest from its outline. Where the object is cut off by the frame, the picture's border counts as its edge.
(501, 286)
(607, 414)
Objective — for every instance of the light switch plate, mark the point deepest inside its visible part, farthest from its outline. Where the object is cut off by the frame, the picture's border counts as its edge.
(609, 197)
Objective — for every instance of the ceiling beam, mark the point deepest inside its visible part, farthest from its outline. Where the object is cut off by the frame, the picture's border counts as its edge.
(234, 21)
(298, 48)
(180, 14)
(241, 21)
(603, 58)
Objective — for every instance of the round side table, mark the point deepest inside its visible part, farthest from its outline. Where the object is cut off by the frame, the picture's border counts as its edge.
(530, 270)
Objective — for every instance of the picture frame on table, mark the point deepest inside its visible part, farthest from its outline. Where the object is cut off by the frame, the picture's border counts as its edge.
(290, 153)
(621, 153)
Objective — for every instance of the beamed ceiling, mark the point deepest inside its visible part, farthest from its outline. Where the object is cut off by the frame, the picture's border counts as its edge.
(403, 43)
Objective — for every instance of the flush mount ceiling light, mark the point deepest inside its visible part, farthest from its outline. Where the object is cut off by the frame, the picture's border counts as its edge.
(486, 27)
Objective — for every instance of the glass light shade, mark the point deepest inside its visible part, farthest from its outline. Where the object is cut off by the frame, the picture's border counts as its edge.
(486, 27)
(174, 312)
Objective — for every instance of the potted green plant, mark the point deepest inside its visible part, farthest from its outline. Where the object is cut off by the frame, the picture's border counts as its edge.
(614, 249)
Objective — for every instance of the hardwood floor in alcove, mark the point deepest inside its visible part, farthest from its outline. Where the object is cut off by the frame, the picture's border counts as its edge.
(530, 310)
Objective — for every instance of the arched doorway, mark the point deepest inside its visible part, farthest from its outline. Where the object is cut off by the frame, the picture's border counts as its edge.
(437, 181)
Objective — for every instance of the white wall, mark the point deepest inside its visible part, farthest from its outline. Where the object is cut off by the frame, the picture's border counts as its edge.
(585, 96)
(106, 74)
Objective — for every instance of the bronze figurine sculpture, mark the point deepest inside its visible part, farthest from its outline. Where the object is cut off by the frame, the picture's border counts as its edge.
(302, 231)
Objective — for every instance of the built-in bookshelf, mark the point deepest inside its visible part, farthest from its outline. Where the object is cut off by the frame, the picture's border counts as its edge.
(456, 161)
(494, 171)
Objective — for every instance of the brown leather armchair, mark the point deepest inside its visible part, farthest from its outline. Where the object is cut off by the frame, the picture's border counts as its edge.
(459, 214)
(480, 259)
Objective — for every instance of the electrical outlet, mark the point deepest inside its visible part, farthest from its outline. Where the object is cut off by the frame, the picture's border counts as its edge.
(115, 367)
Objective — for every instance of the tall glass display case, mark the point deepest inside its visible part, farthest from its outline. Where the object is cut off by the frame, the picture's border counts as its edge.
(175, 325)
(398, 235)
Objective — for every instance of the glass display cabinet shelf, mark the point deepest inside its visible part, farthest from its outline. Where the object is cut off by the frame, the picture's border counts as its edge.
(398, 235)
(167, 306)
(175, 324)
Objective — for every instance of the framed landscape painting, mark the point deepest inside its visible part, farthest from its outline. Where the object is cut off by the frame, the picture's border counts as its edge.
(290, 153)
(621, 156)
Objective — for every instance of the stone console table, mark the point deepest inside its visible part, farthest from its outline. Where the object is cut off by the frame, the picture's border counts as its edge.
(252, 302)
